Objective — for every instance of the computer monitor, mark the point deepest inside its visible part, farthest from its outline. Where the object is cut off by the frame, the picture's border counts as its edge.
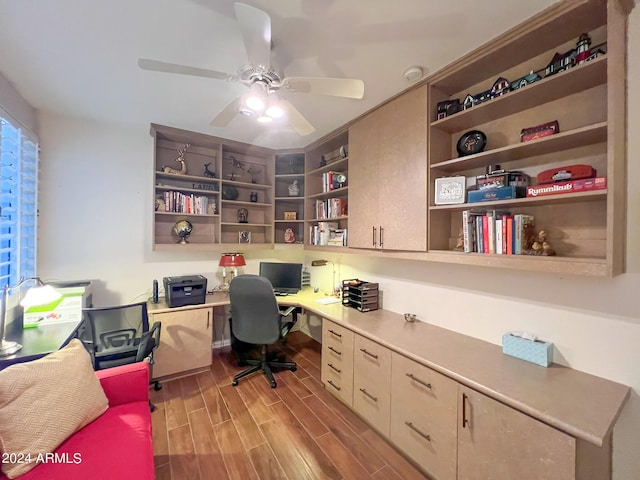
(284, 277)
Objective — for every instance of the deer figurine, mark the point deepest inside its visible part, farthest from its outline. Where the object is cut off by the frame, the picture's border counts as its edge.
(180, 160)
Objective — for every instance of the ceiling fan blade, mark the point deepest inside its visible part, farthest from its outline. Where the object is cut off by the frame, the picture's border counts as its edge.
(226, 115)
(256, 33)
(296, 120)
(158, 66)
(336, 87)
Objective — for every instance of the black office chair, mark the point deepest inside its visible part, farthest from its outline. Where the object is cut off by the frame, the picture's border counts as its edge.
(120, 335)
(256, 319)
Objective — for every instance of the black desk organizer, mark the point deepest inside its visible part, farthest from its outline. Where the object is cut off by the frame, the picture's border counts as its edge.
(360, 295)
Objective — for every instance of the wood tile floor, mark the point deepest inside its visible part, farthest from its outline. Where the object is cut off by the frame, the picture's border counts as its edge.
(204, 428)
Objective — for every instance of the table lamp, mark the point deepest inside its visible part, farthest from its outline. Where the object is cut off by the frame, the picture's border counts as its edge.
(321, 263)
(233, 260)
(41, 294)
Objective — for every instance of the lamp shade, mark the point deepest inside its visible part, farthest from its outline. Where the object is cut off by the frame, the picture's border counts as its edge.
(232, 260)
(40, 295)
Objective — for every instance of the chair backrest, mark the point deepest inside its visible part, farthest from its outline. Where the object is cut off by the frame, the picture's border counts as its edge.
(116, 330)
(255, 317)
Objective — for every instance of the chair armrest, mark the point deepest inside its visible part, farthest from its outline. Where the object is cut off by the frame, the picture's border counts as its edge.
(288, 311)
(125, 383)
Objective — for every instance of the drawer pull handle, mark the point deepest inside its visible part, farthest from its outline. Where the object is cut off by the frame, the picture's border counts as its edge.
(335, 351)
(364, 350)
(416, 379)
(375, 399)
(465, 421)
(335, 333)
(333, 385)
(330, 365)
(422, 434)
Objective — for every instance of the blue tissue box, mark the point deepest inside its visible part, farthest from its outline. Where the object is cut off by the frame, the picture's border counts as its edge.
(538, 352)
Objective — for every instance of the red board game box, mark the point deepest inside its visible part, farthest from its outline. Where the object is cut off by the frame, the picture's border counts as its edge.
(572, 186)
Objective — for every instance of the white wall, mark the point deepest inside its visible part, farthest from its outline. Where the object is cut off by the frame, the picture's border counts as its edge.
(95, 222)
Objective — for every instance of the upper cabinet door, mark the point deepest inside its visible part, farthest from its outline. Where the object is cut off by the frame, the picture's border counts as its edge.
(403, 172)
(388, 182)
(363, 183)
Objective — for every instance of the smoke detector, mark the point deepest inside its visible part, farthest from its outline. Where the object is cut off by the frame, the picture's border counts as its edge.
(413, 73)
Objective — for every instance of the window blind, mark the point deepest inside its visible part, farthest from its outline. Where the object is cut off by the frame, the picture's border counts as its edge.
(18, 202)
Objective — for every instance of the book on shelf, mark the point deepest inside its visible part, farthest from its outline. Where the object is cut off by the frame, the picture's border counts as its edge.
(485, 231)
(522, 223)
(178, 202)
(320, 234)
(331, 208)
(469, 230)
(338, 237)
(509, 232)
(333, 180)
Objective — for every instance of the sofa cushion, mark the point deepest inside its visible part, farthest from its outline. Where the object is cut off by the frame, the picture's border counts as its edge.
(43, 402)
(116, 446)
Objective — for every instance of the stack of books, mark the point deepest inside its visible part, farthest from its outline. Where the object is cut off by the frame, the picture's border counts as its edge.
(496, 231)
(327, 233)
(331, 208)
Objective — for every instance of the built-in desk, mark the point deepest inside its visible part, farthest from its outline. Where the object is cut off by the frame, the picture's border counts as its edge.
(580, 404)
(581, 407)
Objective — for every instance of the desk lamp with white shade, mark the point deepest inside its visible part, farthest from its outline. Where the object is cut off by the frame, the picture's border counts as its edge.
(40, 294)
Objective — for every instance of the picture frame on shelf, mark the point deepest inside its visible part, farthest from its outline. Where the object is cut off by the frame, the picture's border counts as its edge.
(450, 190)
(244, 237)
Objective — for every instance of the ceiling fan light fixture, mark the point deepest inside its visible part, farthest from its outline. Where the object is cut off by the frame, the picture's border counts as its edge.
(274, 109)
(256, 98)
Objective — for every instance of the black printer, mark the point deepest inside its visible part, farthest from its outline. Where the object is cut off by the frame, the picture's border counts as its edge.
(185, 290)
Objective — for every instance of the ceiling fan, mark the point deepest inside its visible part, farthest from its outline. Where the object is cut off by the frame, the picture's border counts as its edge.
(262, 100)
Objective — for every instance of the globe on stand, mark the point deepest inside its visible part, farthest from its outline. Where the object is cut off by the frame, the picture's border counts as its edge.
(183, 229)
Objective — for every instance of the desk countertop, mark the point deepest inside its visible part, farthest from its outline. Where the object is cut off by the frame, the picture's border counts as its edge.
(580, 404)
(36, 342)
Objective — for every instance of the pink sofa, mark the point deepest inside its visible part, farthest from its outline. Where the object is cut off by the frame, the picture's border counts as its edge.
(115, 446)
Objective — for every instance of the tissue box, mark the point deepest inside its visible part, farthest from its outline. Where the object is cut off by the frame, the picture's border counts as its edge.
(536, 351)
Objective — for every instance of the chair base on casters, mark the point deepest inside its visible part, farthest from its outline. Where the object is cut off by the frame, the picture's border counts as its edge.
(265, 365)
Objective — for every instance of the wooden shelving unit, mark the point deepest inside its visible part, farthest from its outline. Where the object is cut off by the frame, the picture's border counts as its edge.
(585, 229)
(289, 170)
(318, 165)
(239, 170)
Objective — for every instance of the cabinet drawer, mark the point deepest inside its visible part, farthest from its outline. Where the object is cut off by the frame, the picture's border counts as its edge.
(372, 360)
(337, 361)
(423, 416)
(371, 383)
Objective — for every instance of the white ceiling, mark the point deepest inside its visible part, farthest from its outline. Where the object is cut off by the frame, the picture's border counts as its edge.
(78, 57)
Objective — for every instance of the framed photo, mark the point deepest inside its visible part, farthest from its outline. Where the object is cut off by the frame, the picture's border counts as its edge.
(450, 190)
(244, 237)
(290, 215)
